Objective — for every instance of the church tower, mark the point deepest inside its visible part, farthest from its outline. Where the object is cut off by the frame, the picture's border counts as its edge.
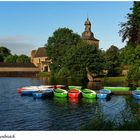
(88, 36)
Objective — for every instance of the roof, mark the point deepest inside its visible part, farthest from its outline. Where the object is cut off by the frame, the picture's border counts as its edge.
(41, 52)
(95, 39)
(2, 64)
(33, 53)
(87, 22)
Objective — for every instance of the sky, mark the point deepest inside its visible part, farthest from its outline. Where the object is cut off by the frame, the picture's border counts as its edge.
(25, 26)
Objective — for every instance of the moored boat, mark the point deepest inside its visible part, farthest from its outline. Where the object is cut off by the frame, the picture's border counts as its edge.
(27, 90)
(136, 94)
(113, 89)
(138, 88)
(60, 86)
(47, 86)
(74, 87)
(43, 93)
(73, 93)
(60, 93)
(105, 91)
(87, 93)
(102, 95)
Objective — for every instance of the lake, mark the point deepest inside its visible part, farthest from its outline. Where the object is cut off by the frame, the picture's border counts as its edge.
(26, 113)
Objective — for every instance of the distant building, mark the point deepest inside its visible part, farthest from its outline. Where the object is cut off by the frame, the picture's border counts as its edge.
(39, 59)
(88, 36)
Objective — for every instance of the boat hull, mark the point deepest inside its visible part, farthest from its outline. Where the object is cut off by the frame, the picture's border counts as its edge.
(113, 89)
(138, 88)
(105, 91)
(61, 93)
(101, 96)
(43, 94)
(60, 86)
(74, 93)
(87, 93)
(28, 92)
(136, 94)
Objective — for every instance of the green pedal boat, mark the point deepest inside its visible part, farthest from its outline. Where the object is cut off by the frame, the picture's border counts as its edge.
(61, 93)
(117, 88)
(88, 93)
(74, 87)
(138, 88)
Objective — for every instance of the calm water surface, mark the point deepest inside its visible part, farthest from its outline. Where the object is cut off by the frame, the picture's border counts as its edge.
(25, 113)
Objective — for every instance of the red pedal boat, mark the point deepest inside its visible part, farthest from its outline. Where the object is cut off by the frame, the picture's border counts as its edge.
(73, 93)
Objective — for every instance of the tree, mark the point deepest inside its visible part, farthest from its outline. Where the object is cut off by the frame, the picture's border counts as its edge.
(62, 40)
(11, 59)
(23, 59)
(4, 52)
(131, 29)
(59, 44)
(71, 56)
(112, 61)
(133, 75)
(84, 57)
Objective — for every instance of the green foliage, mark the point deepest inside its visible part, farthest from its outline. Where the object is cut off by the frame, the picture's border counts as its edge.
(11, 59)
(113, 61)
(17, 59)
(84, 57)
(71, 56)
(63, 73)
(1, 58)
(130, 55)
(59, 43)
(23, 59)
(43, 74)
(133, 75)
(4, 52)
(131, 29)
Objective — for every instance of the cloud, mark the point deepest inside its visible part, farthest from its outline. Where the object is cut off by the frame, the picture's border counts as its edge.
(18, 44)
(15, 38)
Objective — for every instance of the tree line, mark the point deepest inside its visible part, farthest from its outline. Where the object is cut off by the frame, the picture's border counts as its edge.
(71, 56)
(7, 57)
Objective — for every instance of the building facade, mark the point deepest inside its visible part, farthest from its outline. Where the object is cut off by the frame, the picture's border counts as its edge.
(88, 35)
(39, 59)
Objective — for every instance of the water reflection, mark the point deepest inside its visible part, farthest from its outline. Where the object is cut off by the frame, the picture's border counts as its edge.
(88, 101)
(73, 100)
(60, 101)
(25, 113)
(100, 101)
(76, 81)
(94, 85)
(136, 101)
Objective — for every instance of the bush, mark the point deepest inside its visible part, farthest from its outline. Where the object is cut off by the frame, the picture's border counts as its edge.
(63, 73)
(133, 75)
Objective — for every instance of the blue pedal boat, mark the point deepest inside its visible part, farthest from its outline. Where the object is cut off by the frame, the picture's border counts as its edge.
(43, 93)
(105, 91)
(102, 95)
(136, 94)
(27, 90)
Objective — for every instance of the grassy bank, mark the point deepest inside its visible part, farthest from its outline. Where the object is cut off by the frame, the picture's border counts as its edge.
(43, 74)
(114, 79)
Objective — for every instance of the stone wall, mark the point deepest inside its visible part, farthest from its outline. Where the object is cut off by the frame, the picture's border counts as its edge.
(16, 69)
(18, 72)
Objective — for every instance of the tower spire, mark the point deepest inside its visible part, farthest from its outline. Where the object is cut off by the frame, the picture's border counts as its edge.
(88, 35)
